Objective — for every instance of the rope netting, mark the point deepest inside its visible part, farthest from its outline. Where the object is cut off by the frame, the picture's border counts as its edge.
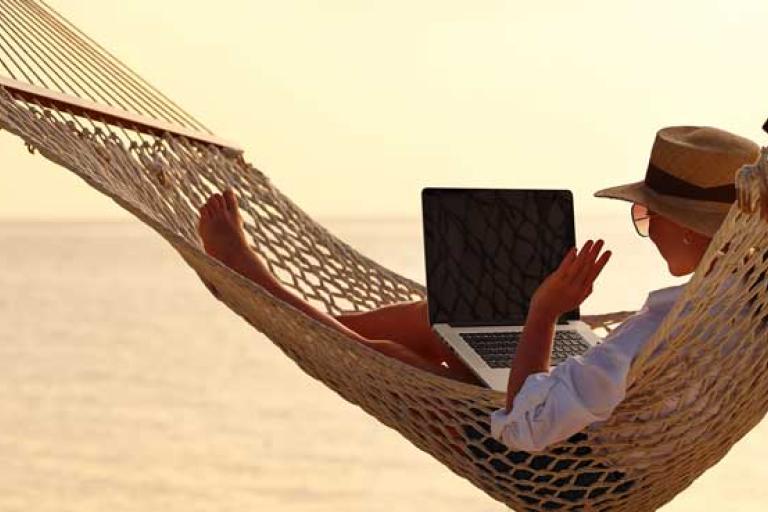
(41, 48)
(698, 386)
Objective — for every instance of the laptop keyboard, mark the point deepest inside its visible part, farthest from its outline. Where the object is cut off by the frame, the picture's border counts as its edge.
(498, 348)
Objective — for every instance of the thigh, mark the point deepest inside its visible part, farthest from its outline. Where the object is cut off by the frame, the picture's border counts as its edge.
(399, 322)
(407, 323)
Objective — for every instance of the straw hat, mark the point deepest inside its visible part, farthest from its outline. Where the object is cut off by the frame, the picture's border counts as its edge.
(690, 177)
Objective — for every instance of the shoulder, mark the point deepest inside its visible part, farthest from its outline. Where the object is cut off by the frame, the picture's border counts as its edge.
(629, 337)
(663, 299)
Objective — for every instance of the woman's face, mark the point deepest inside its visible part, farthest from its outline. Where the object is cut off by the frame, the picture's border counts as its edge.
(682, 258)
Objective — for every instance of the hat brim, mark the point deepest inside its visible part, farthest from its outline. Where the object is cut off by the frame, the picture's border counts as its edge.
(703, 217)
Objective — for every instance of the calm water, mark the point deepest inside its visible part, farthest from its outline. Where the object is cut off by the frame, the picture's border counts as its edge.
(126, 386)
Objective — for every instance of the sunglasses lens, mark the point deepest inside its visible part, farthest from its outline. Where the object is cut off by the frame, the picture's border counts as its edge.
(640, 218)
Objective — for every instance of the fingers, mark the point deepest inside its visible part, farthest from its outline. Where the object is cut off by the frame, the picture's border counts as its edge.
(594, 272)
(589, 262)
(568, 260)
(598, 267)
(585, 268)
(575, 268)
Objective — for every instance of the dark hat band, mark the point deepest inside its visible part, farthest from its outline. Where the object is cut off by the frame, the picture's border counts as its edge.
(665, 183)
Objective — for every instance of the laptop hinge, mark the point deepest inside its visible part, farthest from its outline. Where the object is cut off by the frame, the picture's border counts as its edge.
(560, 321)
(484, 324)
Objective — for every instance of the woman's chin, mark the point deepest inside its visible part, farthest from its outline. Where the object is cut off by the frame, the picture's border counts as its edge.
(674, 270)
(678, 272)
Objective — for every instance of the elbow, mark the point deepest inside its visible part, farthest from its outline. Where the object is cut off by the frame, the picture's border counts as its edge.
(516, 435)
(524, 443)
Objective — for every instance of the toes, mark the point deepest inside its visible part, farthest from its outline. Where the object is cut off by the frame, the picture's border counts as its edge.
(204, 217)
(230, 200)
(212, 205)
(207, 206)
(219, 202)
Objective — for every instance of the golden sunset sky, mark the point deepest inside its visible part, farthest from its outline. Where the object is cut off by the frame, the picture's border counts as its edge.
(352, 107)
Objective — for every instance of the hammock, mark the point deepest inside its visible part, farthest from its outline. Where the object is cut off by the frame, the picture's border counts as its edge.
(74, 103)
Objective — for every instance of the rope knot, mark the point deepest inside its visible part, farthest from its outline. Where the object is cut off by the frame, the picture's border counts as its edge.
(757, 172)
(161, 174)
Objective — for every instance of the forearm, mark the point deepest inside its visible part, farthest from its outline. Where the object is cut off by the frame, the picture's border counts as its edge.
(533, 351)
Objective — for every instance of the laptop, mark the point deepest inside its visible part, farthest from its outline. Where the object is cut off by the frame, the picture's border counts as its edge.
(486, 252)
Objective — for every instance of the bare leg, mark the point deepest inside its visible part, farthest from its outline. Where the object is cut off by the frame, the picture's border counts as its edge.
(223, 238)
(407, 323)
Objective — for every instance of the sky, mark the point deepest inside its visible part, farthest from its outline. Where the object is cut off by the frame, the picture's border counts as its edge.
(352, 108)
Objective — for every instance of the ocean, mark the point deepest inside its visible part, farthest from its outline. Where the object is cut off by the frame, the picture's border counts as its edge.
(127, 387)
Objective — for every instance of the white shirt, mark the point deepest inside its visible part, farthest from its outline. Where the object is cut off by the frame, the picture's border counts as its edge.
(552, 406)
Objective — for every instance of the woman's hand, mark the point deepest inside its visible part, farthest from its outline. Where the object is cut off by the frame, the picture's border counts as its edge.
(567, 287)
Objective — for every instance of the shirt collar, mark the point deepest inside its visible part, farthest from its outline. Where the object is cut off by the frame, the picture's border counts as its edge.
(664, 297)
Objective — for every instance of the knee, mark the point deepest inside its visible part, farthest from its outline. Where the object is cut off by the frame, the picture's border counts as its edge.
(416, 311)
(421, 319)
(422, 309)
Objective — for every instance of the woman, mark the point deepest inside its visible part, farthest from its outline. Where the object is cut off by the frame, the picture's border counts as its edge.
(686, 193)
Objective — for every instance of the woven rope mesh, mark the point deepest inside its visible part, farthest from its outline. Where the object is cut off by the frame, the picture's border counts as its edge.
(698, 386)
(689, 401)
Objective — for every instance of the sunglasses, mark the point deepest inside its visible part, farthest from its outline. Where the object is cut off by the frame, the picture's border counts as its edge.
(641, 218)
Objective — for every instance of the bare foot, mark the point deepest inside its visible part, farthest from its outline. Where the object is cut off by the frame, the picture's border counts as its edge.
(221, 228)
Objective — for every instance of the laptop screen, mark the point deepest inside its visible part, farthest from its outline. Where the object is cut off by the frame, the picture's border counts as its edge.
(487, 251)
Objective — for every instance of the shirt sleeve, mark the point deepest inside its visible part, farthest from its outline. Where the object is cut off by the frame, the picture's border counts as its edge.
(551, 406)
